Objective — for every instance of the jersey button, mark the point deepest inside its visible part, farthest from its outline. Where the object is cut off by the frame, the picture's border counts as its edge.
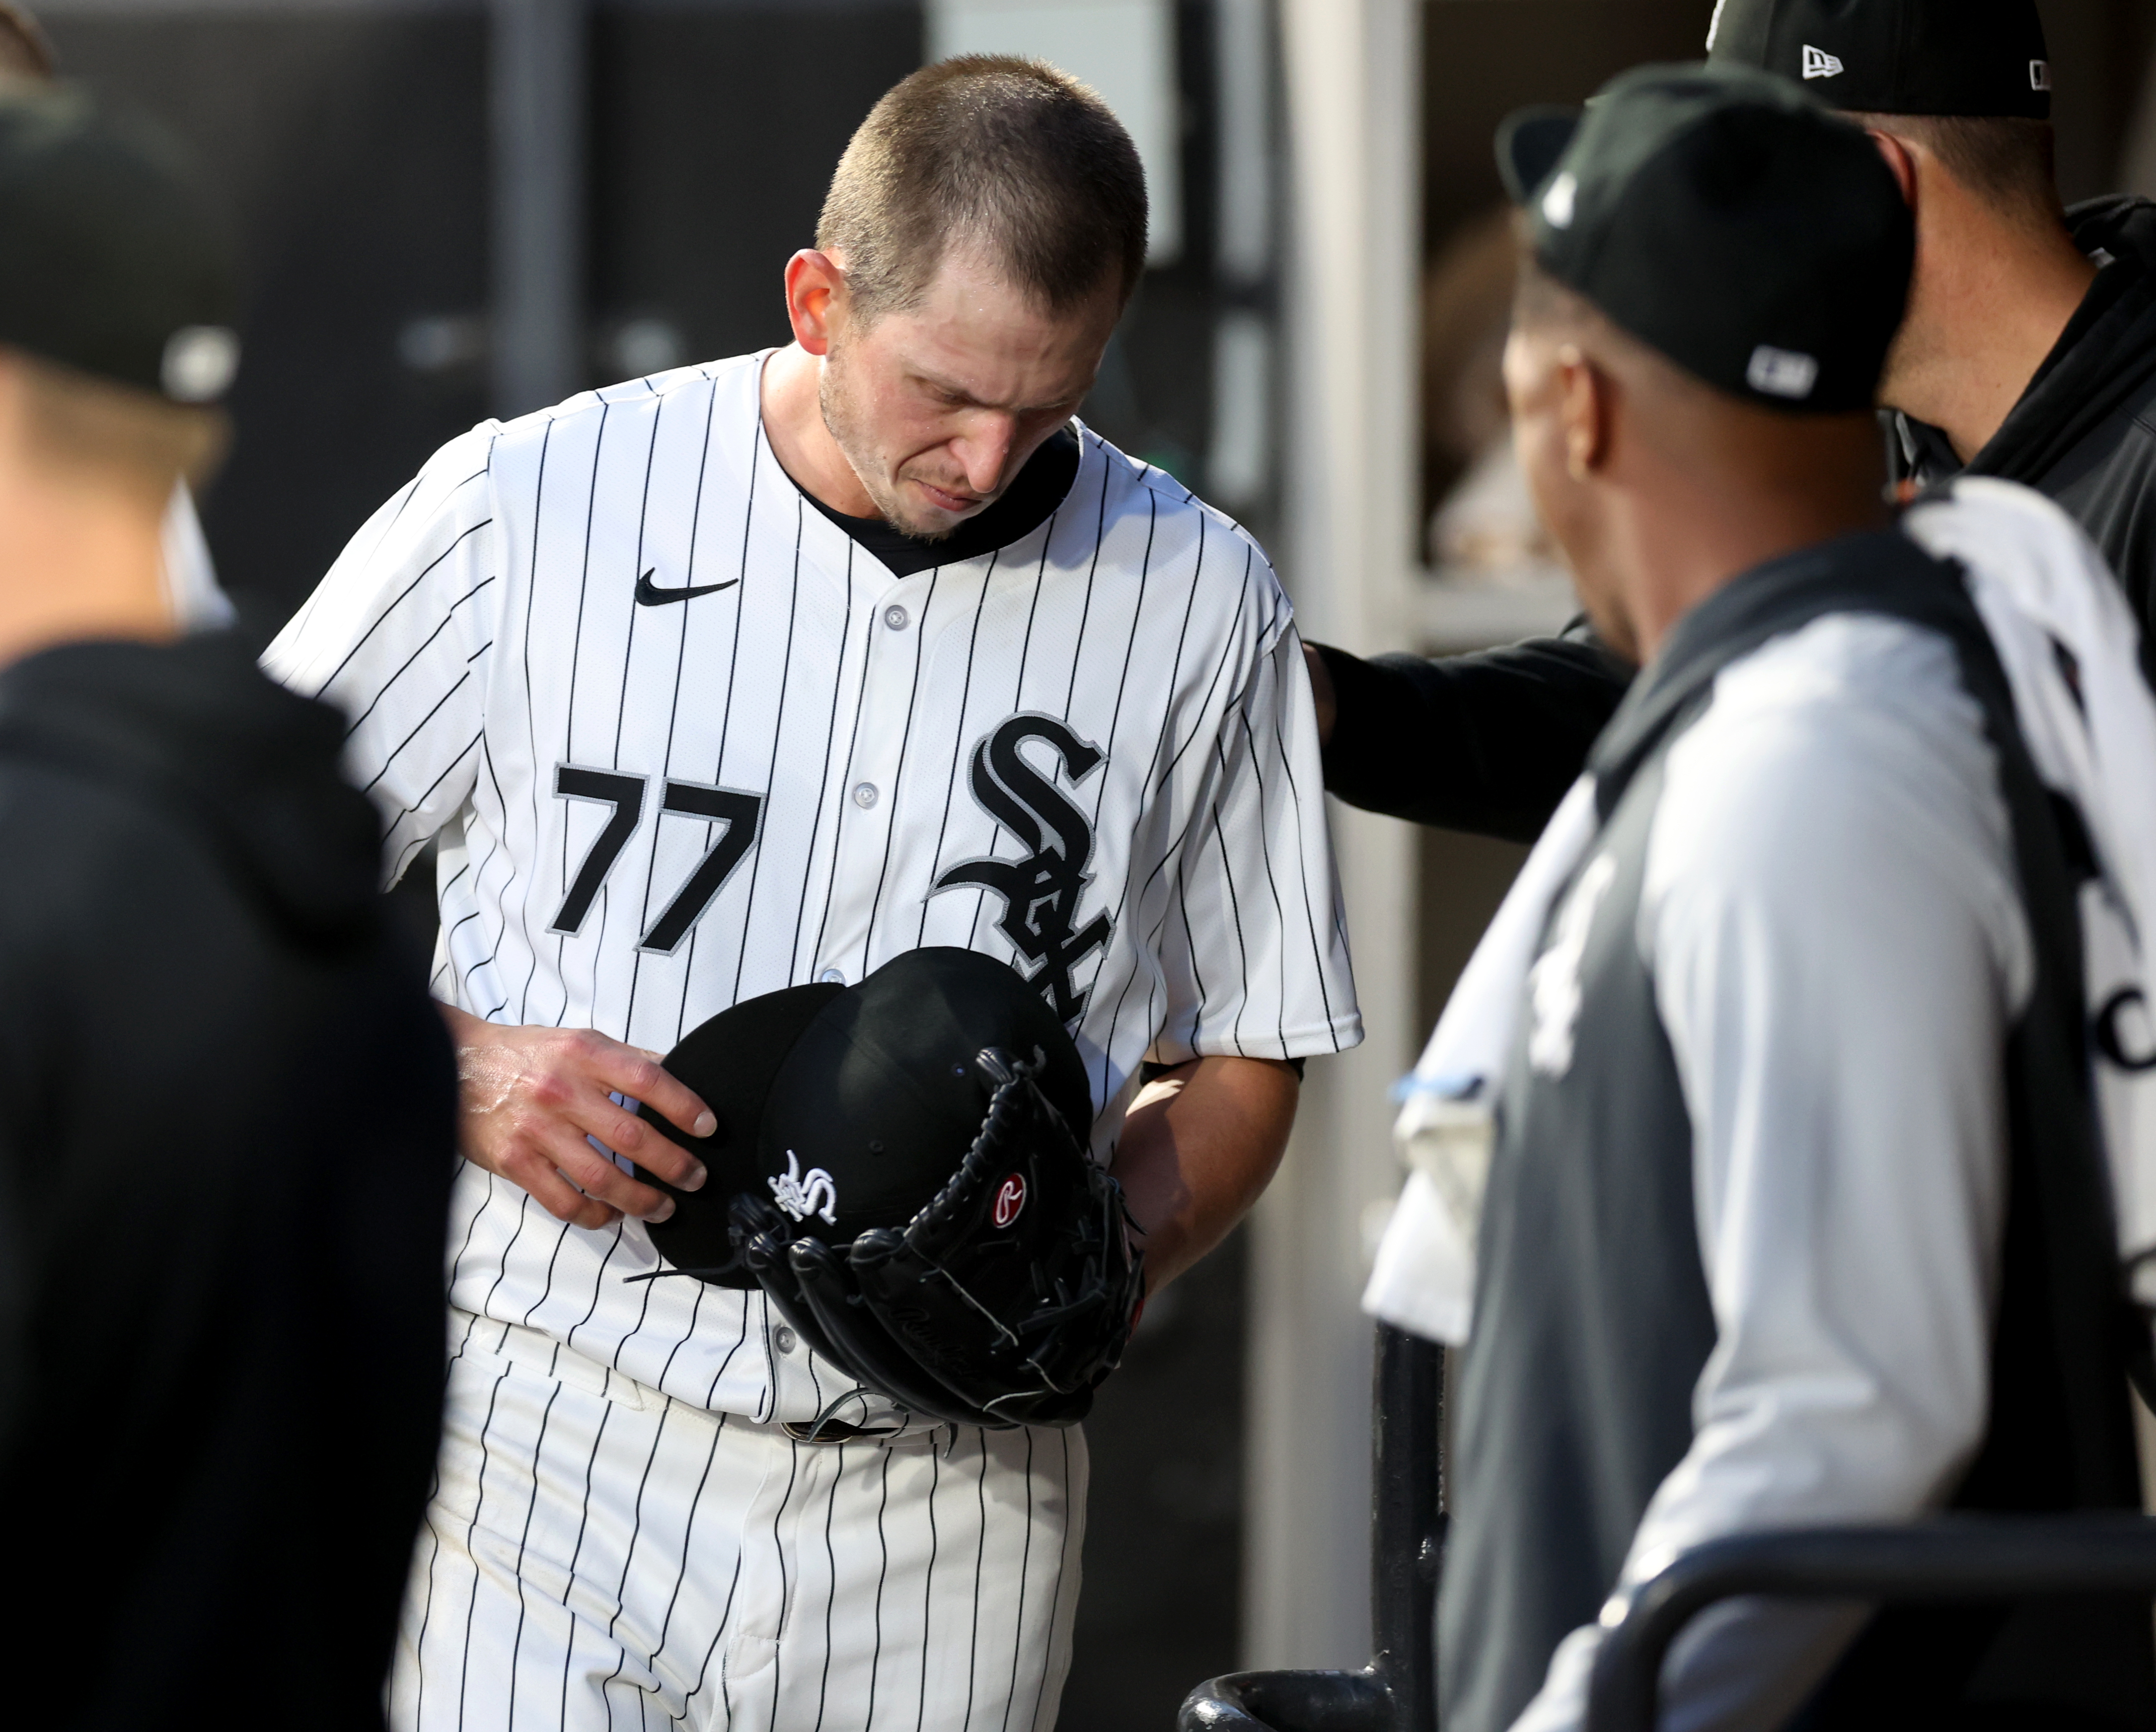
(896, 617)
(864, 795)
(781, 1338)
(833, 977)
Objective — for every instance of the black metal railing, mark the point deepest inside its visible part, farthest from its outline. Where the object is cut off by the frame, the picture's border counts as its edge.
(1397, 1692)
(1947, 1559)
(1954, 1558)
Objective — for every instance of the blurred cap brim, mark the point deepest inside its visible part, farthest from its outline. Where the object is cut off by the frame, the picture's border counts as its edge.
(1529, 142)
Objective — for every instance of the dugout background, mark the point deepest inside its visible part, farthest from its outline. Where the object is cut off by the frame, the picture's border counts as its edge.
(351, 138)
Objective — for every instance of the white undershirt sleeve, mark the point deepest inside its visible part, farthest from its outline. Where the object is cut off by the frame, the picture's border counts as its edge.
(1838, 946)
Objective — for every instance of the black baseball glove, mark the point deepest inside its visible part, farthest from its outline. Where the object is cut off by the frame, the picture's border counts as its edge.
(1005, 1301)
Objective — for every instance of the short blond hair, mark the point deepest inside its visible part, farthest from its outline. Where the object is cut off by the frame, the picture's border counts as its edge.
(990, 151)
(135, 437)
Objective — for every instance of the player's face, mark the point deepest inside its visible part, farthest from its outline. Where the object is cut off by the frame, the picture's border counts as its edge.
(1551, 390)
(938, 408)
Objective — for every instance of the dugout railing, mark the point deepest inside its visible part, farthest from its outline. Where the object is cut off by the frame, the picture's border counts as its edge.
(1398, 1689)
(1949, 1559)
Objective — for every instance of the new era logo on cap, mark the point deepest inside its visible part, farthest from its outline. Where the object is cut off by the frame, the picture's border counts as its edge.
(1972, 59)
(1782, 373)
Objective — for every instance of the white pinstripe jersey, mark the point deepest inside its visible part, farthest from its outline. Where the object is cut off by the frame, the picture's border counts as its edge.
(1091, 753)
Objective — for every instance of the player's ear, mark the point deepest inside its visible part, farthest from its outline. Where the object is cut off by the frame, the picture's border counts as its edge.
(1585, 403)
(815, 285)
(1900, 161)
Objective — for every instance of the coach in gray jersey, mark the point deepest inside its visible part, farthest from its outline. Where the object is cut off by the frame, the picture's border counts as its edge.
(758, 674)
(1798, 1212)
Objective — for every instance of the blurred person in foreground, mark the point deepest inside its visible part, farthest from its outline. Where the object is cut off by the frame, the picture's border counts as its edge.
(2028, 353)
(1797, 1210)
(227, 1111)
(199, 602)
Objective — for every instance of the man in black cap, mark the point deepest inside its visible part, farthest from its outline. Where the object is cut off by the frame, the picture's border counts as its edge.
(2028, 349)
(2028, 353)
(1796, 1212)
(227, 1109)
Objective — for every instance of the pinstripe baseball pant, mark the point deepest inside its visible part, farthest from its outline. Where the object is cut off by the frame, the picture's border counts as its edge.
(598, 1555)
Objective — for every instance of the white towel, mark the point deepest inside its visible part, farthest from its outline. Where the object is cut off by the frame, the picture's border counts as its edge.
(1424, 1281)
(2042, 587)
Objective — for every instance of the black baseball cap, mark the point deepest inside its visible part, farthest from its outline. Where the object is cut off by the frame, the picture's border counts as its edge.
(111, 259)
(851, 1107)
(1725, 218)
(1978, 59)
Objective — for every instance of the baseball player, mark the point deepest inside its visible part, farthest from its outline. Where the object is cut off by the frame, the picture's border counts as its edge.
(228, 1108)
(1798, 1212)
(2028, 353)
(756, 675)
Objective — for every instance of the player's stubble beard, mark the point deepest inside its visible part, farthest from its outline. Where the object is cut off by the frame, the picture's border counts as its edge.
(849, 430)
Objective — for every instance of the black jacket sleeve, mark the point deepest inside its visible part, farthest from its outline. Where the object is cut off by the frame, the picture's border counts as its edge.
(1486, 742)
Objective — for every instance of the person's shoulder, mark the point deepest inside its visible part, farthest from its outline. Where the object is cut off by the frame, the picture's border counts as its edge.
(1132, 484)
(1850, 735)
(1840, 677)
(589, 411)
(82, 856)
(1154, 521)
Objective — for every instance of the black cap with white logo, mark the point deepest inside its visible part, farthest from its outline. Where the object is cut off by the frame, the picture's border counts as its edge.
(111, 261)
(1978, 59)
(1725, 218)
(850, 1107)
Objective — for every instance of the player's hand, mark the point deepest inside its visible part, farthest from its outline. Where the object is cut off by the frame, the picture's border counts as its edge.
(1321, 694)
(531, 1096)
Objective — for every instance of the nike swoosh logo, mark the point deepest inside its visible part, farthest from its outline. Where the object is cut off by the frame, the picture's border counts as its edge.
(650, 595)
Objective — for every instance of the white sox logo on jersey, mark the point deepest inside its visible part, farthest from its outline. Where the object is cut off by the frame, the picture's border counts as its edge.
(1553, 989)
(1040, 892)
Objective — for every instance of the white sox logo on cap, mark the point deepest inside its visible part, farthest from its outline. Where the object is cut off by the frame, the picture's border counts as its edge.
(1561, 199)
(801, 1195)
(199, 363)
